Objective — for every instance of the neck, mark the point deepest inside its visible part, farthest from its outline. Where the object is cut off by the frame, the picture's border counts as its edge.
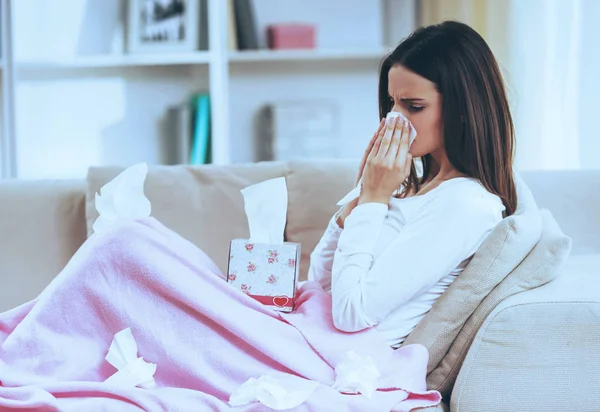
(441, 168)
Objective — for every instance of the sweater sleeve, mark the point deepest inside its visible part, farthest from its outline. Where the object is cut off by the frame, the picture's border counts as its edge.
(443, 233)
(321, 258)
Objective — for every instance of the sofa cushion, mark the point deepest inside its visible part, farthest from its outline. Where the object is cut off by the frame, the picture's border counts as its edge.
(314, 188)
(502, 251)
(44, 225)
(201, 203)
(540, 266)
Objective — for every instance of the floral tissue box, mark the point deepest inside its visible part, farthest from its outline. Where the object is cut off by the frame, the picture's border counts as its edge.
(265, 272)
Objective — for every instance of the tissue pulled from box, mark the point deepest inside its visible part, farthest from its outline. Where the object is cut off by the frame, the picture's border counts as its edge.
(354, 193)
(280, 393)
(132, 370)
(266, 209)
(122, 199)
(356, 374)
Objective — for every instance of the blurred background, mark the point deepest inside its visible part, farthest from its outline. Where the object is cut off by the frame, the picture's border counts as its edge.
(115, 82)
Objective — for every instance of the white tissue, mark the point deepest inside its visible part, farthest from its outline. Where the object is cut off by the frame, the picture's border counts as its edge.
(413, 133)
(266, 209)
(275, 393)
(356, 374)
(132, 371)
(354, 193)
(122, 199)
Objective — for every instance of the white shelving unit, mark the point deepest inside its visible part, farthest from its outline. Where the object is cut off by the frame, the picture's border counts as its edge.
(306, 55)
(7, 139)
(200, 58)
(231, 77)
(125, 60)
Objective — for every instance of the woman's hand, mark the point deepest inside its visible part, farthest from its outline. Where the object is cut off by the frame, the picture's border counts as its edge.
(388, 163)
(348, 207)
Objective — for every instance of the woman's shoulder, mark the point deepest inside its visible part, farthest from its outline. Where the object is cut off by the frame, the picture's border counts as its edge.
(467, 195)
(461, 198)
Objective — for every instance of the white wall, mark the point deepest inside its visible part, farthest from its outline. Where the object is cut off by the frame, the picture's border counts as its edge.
(555, 55)
(589, 148)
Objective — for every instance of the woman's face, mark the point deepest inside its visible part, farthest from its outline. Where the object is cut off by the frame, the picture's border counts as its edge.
(419, 101)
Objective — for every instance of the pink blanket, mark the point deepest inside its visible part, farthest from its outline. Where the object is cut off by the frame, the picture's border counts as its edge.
(205, 337)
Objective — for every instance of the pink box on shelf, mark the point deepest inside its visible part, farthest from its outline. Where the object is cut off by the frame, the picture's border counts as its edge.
(265, 272)
(291, 36)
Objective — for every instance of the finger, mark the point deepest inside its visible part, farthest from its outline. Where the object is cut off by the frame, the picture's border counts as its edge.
(374, 149)
(374, 139)
(395, 144)
(408, 165)
(377, 144)
(404, 145)
(387, 138)
(380, 127)
(363, 161)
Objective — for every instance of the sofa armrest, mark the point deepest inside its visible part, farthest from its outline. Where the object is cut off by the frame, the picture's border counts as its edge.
(42, 226)
(538, 350)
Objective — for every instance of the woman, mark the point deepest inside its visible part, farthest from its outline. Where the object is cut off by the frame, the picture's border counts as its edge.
(385, 257)
(397, 254)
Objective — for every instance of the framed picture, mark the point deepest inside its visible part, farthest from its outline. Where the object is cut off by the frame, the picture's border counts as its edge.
(162, 26)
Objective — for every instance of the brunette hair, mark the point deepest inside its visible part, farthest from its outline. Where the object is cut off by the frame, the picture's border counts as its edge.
(478, 131)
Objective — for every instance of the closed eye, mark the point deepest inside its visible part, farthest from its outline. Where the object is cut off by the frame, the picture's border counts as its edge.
(413, 108)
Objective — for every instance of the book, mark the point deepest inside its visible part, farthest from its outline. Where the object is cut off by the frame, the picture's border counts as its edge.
(247, 35)
(232, 40)
(201, 146)
(179, 138)
(298, 129)
(203, 25)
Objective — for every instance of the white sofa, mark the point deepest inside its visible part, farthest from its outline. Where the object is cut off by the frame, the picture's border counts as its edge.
(537, 350)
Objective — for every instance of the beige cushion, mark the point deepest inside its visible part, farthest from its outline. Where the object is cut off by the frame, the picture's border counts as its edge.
(314, 188)
(538, 350)
(539, 267)
(202, 204)
(505, 247)
(43, 225)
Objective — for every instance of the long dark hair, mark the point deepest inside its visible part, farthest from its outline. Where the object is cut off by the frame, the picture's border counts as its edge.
(478, 131)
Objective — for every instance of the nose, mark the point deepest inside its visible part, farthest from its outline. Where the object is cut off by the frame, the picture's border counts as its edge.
(399, 109)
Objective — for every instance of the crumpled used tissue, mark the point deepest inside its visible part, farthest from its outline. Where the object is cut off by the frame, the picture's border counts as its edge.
(280, 393)
(131, 370)
(354, 193)
(266, 207)
(356, 374)
(122, 199)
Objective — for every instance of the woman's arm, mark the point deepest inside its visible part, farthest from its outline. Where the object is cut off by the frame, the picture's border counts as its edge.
(321, 259)
(440, 236)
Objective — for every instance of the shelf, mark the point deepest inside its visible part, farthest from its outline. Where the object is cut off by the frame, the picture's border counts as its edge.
(305, 55)
(201, 57)
(130, 60)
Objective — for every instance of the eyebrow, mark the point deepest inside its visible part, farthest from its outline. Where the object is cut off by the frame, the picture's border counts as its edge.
(408, 99)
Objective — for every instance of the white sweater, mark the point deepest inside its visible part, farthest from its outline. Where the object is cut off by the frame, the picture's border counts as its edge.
(389, 264)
